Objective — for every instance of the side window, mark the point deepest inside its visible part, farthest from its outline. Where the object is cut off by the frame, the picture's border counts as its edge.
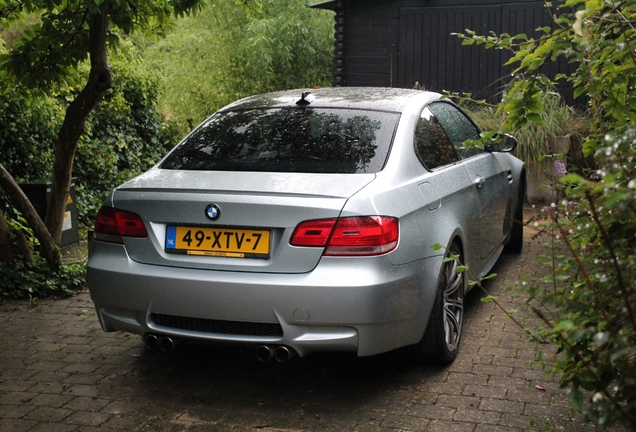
(432, 145)
(458, 127)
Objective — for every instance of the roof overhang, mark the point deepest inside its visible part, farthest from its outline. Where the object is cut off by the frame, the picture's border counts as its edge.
(329, 5)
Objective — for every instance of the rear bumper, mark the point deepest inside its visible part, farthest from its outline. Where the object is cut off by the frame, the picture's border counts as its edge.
(367, 308)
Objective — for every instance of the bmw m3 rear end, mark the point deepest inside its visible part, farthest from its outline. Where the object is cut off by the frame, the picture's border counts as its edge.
(289, 222)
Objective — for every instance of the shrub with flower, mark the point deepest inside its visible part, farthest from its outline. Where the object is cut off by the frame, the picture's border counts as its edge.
(588, 303)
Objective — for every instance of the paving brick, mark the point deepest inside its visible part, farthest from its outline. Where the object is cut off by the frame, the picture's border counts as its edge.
(529, 394)
(50, 400)
(123, 423)
(433, 412)
(16, 425)
(49, 387)
(79, 378)
(444, 387)
(502, 406)
(87, 404)
(57, 427)
(406, 423)
(485, 391)
(467, 378)
(48, 414)
(17, 374)
(492, 428)
(16, 385)
(458, 401)
(461, 365)
(492, 370)
(542, 411)
(16, 398)
(87, 418)
(497, 351)
(477, 416)
(523, 422)
(82, 390)
(368, 428)
(14, 411)
(482, 359)
(446, 426)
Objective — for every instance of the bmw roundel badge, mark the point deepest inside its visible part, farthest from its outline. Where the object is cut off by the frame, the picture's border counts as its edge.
(212, 211)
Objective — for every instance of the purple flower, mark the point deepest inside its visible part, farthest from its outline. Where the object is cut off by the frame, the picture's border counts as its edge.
(560, 167)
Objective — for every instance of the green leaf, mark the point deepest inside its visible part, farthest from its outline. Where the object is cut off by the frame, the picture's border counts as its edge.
(488, 299)
(576, 399)
(535, 118)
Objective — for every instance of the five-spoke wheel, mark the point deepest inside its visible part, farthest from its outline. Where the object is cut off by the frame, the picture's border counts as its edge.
(440, 342)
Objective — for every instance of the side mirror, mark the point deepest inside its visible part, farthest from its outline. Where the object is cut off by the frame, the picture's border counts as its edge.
(510, 143)
(502, 143)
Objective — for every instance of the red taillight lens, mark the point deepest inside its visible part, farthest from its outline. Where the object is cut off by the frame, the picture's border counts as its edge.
(313, 233)
(112, 224)
(350, 236)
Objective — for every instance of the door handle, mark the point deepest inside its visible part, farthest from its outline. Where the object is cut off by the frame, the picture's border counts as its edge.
(479, 182)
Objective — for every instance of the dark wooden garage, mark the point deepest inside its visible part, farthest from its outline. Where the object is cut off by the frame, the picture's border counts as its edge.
(406, 43)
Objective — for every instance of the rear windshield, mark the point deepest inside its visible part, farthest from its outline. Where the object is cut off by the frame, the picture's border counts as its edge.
(305, 140)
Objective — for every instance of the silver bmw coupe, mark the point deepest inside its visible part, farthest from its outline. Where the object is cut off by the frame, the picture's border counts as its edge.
(304, 221)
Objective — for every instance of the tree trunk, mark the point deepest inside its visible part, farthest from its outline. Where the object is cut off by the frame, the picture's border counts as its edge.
(24, 248)
(49, 249)
(99, 81)
(6, 240)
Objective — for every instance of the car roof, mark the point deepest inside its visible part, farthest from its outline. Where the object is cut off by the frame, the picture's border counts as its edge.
(366, 98)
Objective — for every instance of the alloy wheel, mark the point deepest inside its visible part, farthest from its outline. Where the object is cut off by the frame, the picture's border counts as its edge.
(453, 305)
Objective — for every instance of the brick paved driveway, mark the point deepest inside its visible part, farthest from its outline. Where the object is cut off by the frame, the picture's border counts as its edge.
(59, 371)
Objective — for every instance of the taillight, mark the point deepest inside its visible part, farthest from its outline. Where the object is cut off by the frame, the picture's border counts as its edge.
(349, 236)
(313, 233)
(113, 224)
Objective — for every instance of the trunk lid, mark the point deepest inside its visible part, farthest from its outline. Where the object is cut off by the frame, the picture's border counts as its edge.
(249, 204)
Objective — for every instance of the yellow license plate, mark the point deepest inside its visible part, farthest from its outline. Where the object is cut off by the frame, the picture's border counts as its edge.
(226, 242)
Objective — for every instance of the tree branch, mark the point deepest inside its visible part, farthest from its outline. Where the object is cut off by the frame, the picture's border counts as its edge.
(49, 250)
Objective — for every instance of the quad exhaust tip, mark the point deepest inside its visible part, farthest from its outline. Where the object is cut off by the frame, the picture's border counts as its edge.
(264, 353)
(155, 342)
(281, 353)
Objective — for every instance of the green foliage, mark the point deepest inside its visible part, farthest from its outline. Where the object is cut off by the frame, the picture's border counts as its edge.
(37, 280)
(126, 133)
(588, 302)
(27, 135)
(589, 299)
(540, 137)
(49, 52)
(228, 51)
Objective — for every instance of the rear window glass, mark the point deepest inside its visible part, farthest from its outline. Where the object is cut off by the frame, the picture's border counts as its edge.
(303, 140)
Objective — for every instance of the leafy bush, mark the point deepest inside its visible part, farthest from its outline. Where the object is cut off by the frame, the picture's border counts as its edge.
(538, 139)
(37, 280)
(230, 50)
(126, 133)
(588, 303)
(126, 136)
(27, 135)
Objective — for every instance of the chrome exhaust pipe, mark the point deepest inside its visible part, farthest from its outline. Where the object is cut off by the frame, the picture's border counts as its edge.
(168, 344)
(151, 341)
(283, 354)
(264, 353)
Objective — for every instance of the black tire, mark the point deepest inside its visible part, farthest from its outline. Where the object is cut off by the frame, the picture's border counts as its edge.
(515, 242)
(440, 342)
